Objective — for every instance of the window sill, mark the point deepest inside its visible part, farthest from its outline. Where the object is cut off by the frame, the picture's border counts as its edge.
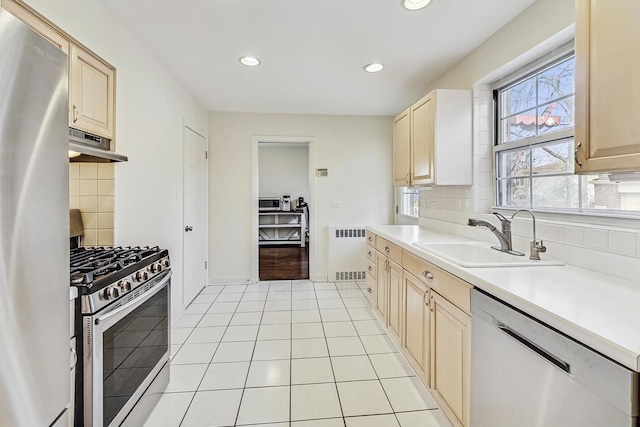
(617, 220)
(406, 219)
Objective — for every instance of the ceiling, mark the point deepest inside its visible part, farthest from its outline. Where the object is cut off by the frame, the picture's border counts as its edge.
(312, 52)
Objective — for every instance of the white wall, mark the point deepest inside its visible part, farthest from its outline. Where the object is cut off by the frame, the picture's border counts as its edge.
(600, 244)
(151, 109)
(283, 170)
(356, 150)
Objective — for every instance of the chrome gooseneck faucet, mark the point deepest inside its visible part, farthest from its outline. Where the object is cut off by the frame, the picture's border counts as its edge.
(504, 236)
(535, 247)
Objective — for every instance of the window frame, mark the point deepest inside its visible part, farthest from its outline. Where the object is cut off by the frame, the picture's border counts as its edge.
(401, 192)
(531, 69)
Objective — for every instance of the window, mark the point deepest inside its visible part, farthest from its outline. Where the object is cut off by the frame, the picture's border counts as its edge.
(534, 154)
(409, 201)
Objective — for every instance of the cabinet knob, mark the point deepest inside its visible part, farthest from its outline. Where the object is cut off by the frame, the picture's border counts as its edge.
(369, 290)
(75, 114)
(369, 253)
(575, 154)
(369, 268)
(188, 228)
(427, 275)
(387, 249)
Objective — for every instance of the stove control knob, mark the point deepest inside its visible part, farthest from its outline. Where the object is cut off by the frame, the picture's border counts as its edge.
(125, 285)
(111, 293)
(166, 263)
(159, 267)
(141, 276)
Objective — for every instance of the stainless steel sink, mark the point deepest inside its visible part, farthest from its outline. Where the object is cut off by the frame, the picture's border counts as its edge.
(476, 254)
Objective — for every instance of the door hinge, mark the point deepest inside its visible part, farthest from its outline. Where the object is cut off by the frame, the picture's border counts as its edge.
(206, 154)
(205, 265)
(396, 209)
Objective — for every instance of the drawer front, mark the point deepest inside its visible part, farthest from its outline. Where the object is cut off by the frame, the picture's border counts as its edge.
(370, 289)
(371, 254)
(371, 267)
(370, 238)
(452, 288)
(394, 252)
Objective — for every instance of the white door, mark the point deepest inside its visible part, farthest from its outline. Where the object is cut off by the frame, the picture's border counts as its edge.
(195, 214)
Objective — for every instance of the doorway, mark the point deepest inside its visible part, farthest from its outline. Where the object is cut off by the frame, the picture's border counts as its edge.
(283, 235)
(195, 214)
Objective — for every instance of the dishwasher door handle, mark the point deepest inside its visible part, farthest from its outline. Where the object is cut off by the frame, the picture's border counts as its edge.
(539, 350)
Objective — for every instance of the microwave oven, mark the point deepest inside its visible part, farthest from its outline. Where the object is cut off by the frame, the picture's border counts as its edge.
(269, 204)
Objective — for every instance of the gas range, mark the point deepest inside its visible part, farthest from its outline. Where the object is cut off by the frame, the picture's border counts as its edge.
(123, 317)
(104, 275)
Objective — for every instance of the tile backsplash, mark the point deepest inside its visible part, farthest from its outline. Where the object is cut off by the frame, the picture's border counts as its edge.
(605, 248)
(91, 189)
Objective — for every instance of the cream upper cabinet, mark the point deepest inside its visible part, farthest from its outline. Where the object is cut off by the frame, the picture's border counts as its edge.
(439, 140)
(423, 141)
(33, 20)
(450, 358)
(91, 93)
(416, 323)
(402, 149)
(607, 48)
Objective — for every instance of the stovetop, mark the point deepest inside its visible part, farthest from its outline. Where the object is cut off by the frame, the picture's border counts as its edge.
(92, 269)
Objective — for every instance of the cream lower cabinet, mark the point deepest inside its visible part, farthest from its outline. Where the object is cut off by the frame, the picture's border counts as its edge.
(416, 324)
(382, 266)
(450, 358)
(394, 286)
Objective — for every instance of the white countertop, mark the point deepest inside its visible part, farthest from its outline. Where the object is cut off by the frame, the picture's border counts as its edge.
(601, 311)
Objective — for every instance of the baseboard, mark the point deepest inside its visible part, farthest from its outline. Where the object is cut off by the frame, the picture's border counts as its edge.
(230, 281)
(319, 278)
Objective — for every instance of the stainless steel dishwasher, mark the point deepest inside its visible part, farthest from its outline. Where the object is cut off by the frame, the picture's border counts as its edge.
(526, 374)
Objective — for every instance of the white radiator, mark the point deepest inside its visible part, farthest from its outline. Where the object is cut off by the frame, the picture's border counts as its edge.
(346, 258)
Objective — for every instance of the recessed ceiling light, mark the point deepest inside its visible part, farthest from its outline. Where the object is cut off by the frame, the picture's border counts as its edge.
(373, 68)
(415, 4)
(249, 61)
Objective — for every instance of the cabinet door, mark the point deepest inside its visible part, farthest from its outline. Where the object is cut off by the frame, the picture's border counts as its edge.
(382, 274)
(423, 141)
(607, 92)
(33, 20)
(395, 300)
(450, 358)
(370, 290)
(416, 323)
(91, 94)
(402, 149)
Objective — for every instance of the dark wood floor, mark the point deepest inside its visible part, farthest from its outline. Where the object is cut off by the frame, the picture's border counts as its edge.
(284, 262)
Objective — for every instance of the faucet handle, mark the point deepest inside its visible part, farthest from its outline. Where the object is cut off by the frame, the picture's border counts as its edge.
(502, 218)
(536, 248)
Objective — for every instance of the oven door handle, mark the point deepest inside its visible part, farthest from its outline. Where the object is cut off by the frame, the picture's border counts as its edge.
(166, 276)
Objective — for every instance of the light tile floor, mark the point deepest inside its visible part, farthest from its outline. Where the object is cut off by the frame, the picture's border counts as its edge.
(289, 354)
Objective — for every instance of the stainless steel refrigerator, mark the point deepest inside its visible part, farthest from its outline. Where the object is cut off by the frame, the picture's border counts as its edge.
(34, 227)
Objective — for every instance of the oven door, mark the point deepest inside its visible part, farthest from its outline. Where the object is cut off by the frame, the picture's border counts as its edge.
(126, 345)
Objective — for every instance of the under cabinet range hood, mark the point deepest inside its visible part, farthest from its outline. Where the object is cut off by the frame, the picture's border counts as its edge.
(85, 147)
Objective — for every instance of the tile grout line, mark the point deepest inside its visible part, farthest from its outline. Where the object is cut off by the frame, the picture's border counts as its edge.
(205, 372)
(335, 383)
(251, 358)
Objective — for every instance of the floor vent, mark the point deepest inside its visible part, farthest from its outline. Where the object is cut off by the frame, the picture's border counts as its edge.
(346, 257)
(350, 275)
